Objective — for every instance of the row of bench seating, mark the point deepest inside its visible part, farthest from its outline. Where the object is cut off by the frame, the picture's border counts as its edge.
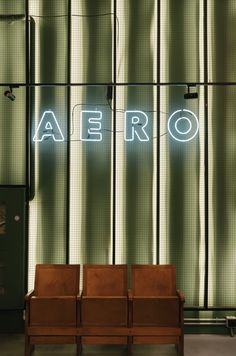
(106, 311)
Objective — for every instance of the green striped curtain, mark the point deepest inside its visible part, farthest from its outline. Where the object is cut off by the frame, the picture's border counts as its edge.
(114, 201)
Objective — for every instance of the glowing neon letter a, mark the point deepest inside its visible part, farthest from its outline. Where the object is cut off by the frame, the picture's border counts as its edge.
(135, 123)
(48, 127)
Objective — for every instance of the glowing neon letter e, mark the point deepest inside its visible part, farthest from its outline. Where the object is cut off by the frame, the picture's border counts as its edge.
(48, 127)
(90, 124)
(135, 122)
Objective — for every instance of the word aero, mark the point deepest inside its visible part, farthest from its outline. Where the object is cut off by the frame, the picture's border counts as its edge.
(135, 126)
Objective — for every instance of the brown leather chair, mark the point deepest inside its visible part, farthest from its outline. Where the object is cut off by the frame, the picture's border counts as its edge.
(53, 307)
(156, 307)
(104, 305)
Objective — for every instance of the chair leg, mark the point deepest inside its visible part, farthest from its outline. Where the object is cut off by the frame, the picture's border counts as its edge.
(32, 348)
(130, 339)
(181, 346)
(27, 346)
(78, 346)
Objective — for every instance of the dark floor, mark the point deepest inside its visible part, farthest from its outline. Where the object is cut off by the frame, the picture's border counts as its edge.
(195, 345)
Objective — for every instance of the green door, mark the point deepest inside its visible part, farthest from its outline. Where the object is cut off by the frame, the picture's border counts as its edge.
(12, 248)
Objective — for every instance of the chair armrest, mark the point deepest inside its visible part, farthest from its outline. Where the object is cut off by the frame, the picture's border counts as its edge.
(130, 303)
(79, 295)
(78, 316)
(130, 295)
(29, 295)
(181, 296)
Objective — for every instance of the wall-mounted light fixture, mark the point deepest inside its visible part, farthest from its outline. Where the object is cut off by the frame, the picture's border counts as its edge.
(191, 94)
(9, 94)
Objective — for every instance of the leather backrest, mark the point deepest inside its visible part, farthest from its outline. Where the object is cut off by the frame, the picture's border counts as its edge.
(105, 280)
(153, 280)
(57, 280)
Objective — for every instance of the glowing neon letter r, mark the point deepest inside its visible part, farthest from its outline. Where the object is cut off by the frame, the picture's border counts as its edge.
(135, 123)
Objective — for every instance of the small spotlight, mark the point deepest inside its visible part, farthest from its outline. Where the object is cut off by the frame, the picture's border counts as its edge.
(10, 95)
(189, 94)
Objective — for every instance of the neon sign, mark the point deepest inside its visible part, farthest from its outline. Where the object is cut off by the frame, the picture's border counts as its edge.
(48, 127)
(135, 123)
(89, 132)
(182, 125)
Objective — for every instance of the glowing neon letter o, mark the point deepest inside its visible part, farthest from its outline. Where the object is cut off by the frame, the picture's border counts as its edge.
(177, 134)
